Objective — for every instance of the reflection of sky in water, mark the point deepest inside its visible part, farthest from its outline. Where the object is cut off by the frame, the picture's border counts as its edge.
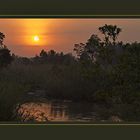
(57, 111)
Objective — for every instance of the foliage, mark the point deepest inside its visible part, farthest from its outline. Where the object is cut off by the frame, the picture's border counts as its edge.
(5, 56)
(105, 72)
(110, 32)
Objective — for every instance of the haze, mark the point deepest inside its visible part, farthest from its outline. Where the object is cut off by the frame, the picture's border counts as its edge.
(59, 34)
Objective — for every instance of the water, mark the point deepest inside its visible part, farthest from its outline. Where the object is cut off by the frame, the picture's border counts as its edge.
(58, 111)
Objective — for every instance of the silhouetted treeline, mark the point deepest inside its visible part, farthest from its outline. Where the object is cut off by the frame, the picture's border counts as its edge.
(54, 58)
(50, 57)
(113, 66)
(105, 70)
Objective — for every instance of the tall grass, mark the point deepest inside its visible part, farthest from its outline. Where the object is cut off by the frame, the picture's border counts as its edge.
(74, 82)
(58, 81)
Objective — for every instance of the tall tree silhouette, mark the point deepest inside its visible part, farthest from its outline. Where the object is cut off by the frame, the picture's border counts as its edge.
(2, 36)
(92, 46)
(110, 32)
(5, 56)
(79, 49)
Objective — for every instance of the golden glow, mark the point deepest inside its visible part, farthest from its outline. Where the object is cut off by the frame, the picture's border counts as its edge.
(36, 38)
(36, 32)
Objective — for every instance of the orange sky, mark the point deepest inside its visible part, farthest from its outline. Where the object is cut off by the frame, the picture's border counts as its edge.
(59, 34)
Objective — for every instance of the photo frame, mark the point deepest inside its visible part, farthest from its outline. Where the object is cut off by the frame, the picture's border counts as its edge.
(71, 10)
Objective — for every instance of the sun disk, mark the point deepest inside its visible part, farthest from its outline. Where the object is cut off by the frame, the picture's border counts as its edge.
(36, 38)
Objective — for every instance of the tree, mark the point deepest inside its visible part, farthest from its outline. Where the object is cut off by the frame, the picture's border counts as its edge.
(88, 51)
(92, 47)
(110, 32)
(5, 56)
(43, 53)
(79, 49)
(52, 53)
(2, 36)
(100, 51)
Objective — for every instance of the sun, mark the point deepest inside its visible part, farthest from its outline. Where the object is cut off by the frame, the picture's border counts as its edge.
(36, 38)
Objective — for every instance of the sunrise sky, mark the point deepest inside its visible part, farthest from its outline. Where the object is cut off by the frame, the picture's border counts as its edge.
(27, 37)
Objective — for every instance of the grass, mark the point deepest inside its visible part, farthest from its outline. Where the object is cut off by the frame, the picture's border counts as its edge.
(73, 82)
(16, 80)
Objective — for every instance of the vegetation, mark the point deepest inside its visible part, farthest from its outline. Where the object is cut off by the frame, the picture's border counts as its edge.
(105, 71)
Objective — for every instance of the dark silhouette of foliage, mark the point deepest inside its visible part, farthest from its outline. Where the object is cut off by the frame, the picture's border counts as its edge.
(79, 49)
(52, 57)
(110, 32)
(88, 51)
(2, 36)
(104, 72)
(5, 56)
(115, 67)
(43, 53)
